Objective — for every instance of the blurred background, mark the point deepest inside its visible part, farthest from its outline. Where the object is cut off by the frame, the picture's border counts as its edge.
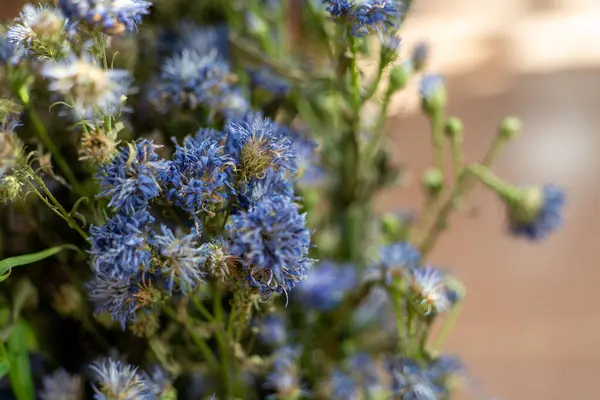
(530, 327)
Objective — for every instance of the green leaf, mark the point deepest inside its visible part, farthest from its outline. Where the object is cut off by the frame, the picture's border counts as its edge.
(4, 367)
(8, 263)
(18, 357)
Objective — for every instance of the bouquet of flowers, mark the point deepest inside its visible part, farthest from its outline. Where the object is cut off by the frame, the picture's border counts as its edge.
(188, 204)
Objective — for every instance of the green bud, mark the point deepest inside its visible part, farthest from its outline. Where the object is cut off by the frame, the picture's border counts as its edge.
(525, 204)
(169, 394)
(399, 76)
(433, 181)
(10, 189)
(433, 94)
(454, 128)
(510, 127)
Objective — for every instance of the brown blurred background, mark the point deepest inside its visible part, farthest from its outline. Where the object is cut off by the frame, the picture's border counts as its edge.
(530, 327)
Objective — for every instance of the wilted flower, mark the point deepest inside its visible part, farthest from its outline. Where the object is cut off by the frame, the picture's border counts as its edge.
(11, 147)
(130, 179)
(41, 30)
(272, 244)
(115, 380)
(87, 85)
(96, 146)
(144, 325)
(62, 386)
(113, 17)
(10, 188)
(536, 212)
(181, 259)
(68, 300)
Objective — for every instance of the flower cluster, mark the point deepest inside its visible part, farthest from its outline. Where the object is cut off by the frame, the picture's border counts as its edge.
(113, 17)
(365, 16)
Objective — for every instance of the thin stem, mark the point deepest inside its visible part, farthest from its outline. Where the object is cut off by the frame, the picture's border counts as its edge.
(205, 313)
(447, 327)
(457, 159)
(374, 85)
(223, 347)
(437, 125)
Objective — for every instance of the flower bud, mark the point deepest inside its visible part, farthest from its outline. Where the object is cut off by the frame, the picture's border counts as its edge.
(420, 56)
(454, 128)
(10, 189)
(510, 127)
(433, 94)
(433, 181)
(399, 76)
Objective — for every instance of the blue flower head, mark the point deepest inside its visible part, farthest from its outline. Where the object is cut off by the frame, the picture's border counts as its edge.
(396, 258)
(275, 183)
(181, 259)
(264, 80)
(433, 92)
(537, 213)
(339, 8)
(326, 285)
(112, 17)
(115, 380)
(411, 382)
(199, 174)
(284, 379)
(202, 39)
(257, 145)
(117, 296)
(130, 178)
(191, 79)
(360, 375)
(62, 386)
(272, 242)
(375, 15)
(119, 247)
(272, 330)
(159, 383)
(9, 55)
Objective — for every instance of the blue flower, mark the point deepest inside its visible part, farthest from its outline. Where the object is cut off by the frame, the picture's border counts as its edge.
(119, 248)
(360, 376)
(130, 178)
(326, 285)
(539, 213)
(339, 8)
(158, 382)
(275, 183)
(272, 243)
(115, 380)
(41, 30)
(257, 145)
(62, 386)
(86, 85)
(431, 288)
(342, 386)
(181, 259)
(117, 296)
(395, 258)
(265, 80)
(9, 55)
(219, 261)
(202, 39)
(284, 379)
(191, 79)
(411, 382)
(272, 330)
(433, 92)
(375, 15)
(199, 174)
(113, 17)
(420, 55)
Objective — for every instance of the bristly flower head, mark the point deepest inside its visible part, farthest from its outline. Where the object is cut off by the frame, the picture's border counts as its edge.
(199, 174)
(200, 39)
(537, 213)
(430, 286)
(114, 380)
(411, 382)
(326, 285)
(272, 244)
(275, 183)
(191, 79)
(97, 146)
(117, 296)
(181, 259)
(88, 86)
(11, 147)
(62, 386)
(113, 17)
(119, 247)
(219, 262)
(159, 383)
(339, 8)
(9, 55)
(42, 30)
(257, 145)
(396, 258)
(130, 180)
(375, 15)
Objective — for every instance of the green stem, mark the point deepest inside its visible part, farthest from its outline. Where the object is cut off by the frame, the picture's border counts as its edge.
(447, 327)
(457, 160)
(223, 347)
(492, 181)
(437, 125)
(374, 85)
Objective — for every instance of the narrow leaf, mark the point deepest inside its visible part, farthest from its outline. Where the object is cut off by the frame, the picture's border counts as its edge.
(11, 262)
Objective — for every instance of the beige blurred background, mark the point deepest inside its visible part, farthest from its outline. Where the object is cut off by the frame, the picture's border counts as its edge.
(530, 327)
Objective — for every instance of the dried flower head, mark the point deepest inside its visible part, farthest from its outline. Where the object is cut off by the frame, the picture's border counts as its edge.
(62, 386)
(430, 286)
(41, 30)
(114, 380)
(10, 188)
(97, 147)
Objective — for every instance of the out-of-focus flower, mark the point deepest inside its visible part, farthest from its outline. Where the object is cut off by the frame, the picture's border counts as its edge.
(115, 380)
(272, 330)
(326, 285)
(537, 212)
(11, 147)
(284, 378)
(430, 285)
(396, 258)
(62, 386)
(113, 17)
(433, 93)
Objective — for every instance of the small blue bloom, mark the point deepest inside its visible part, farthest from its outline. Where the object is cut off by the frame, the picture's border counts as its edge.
(158, 381)
(396, 258)
(199, 175)
(275, 183)
(115, 380)
(343, 386)
(117, 296)
(272, 330)
(284, 379)
(181, 259)
(272, 243)
(119, 247)
(202, 39)
(257, 145)
(130, 178)
(113, 17)
(375, 15)
(360, 377)
(193, 79)
(540, 215)
(339, 8)
(62, 386)
(433, 92)
(411, 382)
(267, 81)
(326, 285)
(9, 55)
(431, 288)
(420, 55)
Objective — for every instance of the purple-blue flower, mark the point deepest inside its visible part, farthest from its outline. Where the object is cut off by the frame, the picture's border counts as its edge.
(117, 296)
(112, 17)
(265, 80)
(284, 379)
(272, 242)
(275, 183)
(116, 380)
(396, 258)
(542, 214)
(181, 259)
(375, 15)
(430, 286)
(130, 178)
(62, 386)
(272, 330)
(326, 285)
(119, 247)
(339, 8)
